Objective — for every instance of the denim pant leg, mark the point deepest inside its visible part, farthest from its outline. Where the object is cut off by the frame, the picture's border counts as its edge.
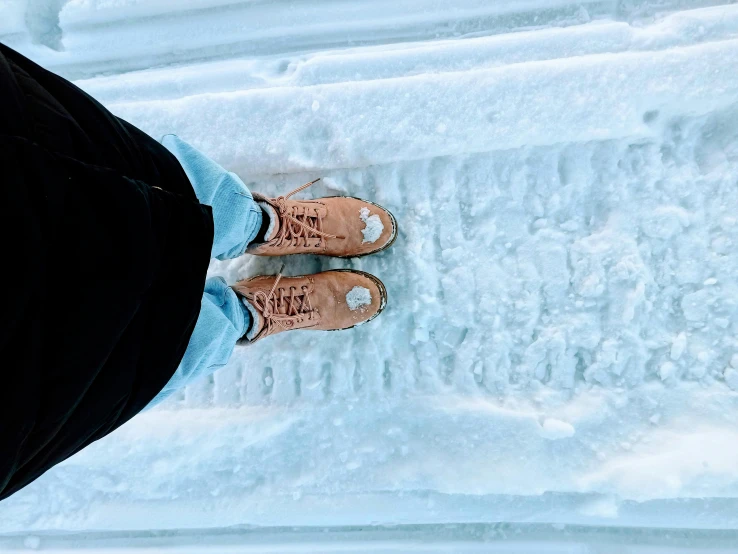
(222, 321)
(236, 216)
(223, 318)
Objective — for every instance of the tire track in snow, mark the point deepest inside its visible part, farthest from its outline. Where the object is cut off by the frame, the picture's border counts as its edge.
(546, 288)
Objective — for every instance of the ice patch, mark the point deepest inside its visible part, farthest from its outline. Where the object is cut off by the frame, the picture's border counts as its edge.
(374, 226)
(358, 297)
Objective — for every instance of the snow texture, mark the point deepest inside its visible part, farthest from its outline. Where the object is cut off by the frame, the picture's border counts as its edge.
(358, 297)
(373, 226)
(561, 339)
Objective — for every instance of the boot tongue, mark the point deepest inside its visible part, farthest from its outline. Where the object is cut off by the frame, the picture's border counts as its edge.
(271, 213)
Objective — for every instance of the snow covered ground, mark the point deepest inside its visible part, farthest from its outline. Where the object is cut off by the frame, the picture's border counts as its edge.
(414, 539)
(561, 342)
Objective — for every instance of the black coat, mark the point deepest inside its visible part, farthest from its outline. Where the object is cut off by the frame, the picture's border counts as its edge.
(105, 249)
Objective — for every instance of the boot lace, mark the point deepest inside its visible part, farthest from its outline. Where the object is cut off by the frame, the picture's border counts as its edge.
(299, 228)
(282, 306)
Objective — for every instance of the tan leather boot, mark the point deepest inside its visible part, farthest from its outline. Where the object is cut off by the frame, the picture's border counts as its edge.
(339, 226)
(328, 301)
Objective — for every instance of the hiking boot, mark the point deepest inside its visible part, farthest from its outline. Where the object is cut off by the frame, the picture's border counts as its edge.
(339, 226)
(327, 301)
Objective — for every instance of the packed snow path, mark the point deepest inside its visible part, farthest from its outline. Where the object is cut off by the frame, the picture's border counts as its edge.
(560, 344)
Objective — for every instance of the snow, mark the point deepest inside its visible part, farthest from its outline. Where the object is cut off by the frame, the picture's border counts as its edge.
(554, 429)
(31, 542)
(560, 342)
(12, 14)
(373, 225)
(475, 538)
(358, 297)
(731, 378)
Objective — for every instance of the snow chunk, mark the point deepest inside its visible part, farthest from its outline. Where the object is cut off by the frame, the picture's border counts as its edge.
(678, 346)
(665, 221)
(554, 429)
(358, 297)
(667, 371)
(374, 226)
(695, 306)
(731, 378)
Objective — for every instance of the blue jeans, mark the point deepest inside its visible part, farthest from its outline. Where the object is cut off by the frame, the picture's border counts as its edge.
(223, 317)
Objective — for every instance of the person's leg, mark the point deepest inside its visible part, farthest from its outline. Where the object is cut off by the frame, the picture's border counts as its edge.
(237, 217)
(259, 307)
(222, 321)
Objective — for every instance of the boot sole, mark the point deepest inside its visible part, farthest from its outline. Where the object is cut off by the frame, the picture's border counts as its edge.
(375, 280)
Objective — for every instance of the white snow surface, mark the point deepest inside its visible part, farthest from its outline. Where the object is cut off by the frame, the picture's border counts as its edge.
(560, 341)
(373, 226)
